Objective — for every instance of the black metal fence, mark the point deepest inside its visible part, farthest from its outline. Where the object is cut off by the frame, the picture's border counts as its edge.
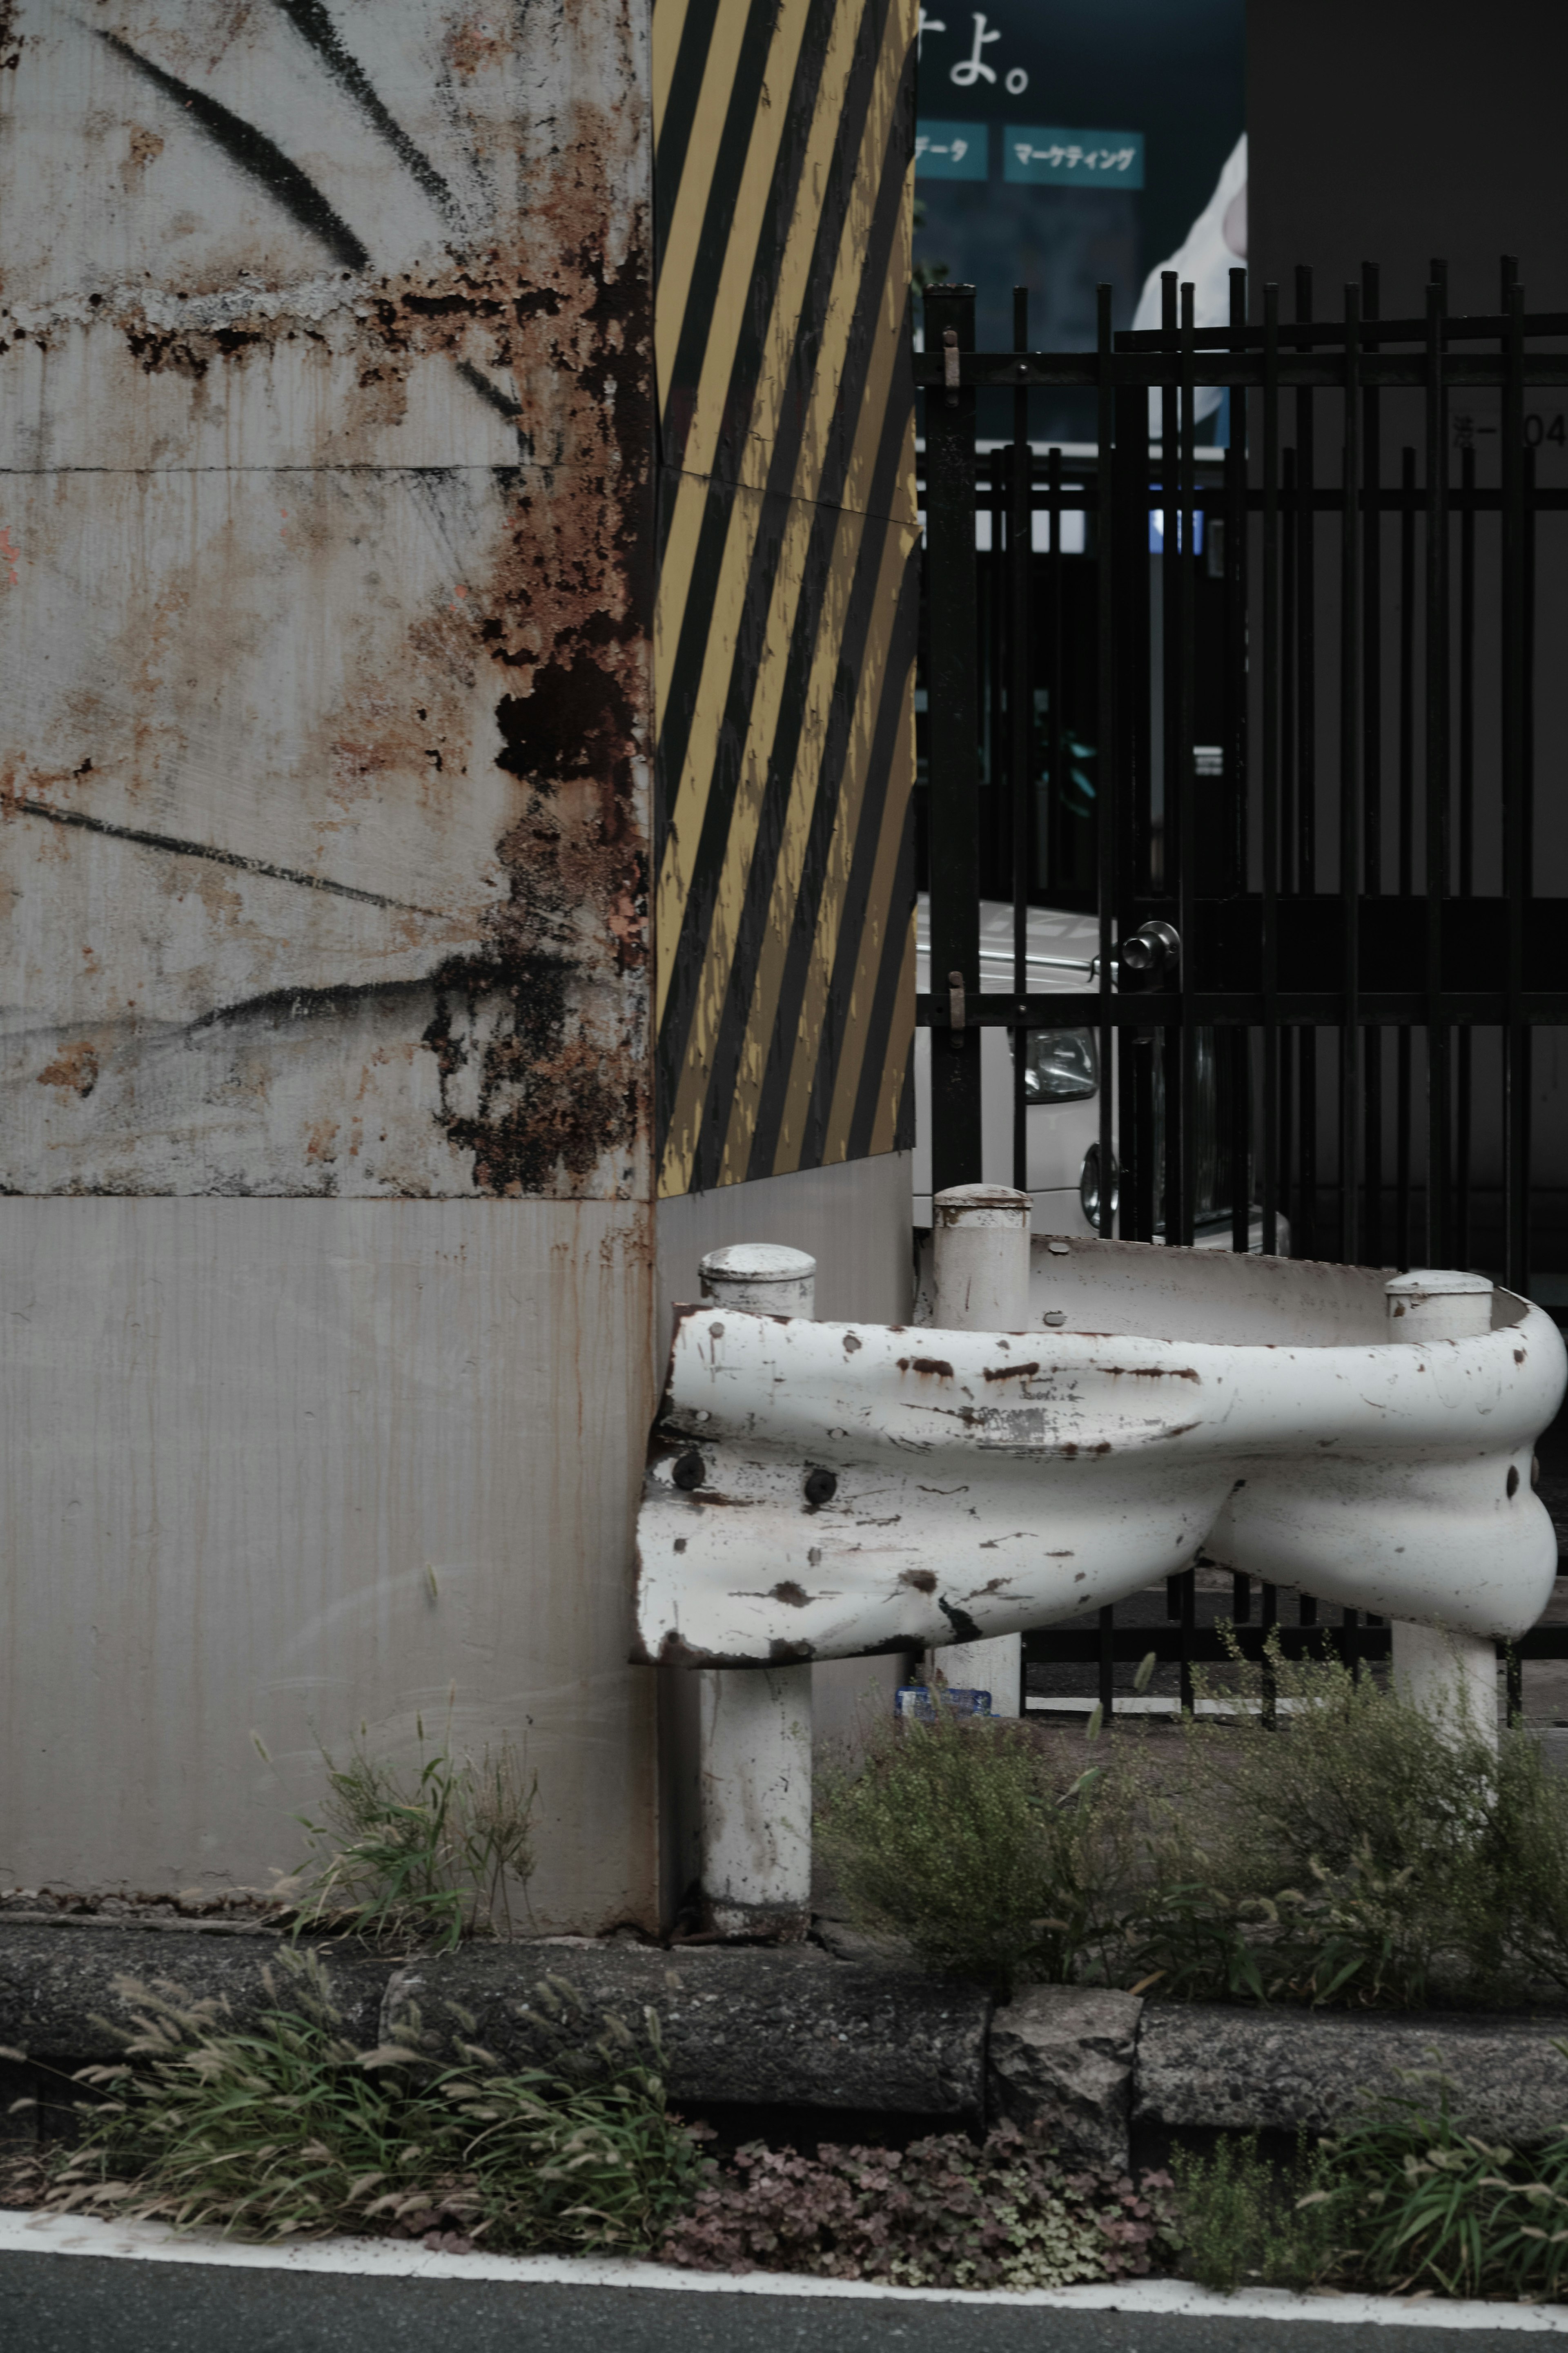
(1350, 870)
(1270, 710)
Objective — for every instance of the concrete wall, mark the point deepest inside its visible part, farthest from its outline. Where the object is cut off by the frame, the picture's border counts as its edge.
(325, 725)
(273, 1470)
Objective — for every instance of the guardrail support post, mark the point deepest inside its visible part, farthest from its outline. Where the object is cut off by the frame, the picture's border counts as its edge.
(1452, 1676)
(979, 1254)
(754, 1723)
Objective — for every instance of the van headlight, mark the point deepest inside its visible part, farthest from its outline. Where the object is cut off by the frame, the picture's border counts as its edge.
(1089, 1186)
(1059, 1066)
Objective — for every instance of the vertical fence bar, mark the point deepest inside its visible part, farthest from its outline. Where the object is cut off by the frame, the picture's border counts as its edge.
(1169, 1205)
(1056, 684)
(1350, 791)
(1269, 813)
(1108, 1660)
(1131, 832)
(1467, 844)
(1234, 762)
(1188, 1582)
(1181, 1121)
(1106, 795)
(1020, 725)
(1438, 1111)
(1516, 872)
(1308, 1245)
(953, 728)
(998, 765)
(1526, 822)
(1371, 754)
(1406, 843)
(1289, 841)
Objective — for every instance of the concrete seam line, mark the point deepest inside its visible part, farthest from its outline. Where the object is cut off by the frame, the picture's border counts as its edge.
(75, 2234)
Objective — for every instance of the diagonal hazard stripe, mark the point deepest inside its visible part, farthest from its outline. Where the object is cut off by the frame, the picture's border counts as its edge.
(884, 1072)
(841, 701)
(709, 998)
(698, 200)
(702, 573)
(678, 42)
(784, 627)
(742, 620)
(740, 1072)
(881, 945)
(802, 1031)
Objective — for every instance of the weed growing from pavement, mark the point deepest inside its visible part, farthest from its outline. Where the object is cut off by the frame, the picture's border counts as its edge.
(1341, 1848)
(1355, 1850)
(963, 1836)
(1243, 2221)
(286, 2128)
(1425, 2208)
(433, 1850)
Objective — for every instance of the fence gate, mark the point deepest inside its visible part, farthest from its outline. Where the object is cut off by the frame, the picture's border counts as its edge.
(1268, 708)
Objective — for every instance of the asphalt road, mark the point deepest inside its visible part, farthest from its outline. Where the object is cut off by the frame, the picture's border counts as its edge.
(81, 2303)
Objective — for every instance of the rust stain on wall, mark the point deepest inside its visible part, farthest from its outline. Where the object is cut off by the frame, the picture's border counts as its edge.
(474, 1021)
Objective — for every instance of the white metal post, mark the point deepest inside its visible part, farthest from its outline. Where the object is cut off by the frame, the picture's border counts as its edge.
(754, 1723)
(980, 1252)
(1452, 1676)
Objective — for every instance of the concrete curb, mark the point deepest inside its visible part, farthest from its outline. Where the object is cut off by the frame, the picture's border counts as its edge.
(795, 2029)
(750, 2025)
(1245, 2070)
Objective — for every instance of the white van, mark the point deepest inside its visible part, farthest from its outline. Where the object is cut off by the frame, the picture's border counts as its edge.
(1062, 1080)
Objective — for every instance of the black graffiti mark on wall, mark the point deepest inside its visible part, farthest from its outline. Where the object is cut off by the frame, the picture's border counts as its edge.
(252, 151)
(312, 22)
(510, 409)
(176, 849)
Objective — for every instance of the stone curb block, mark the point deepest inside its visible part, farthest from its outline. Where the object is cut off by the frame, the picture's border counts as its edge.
(790, 2027)
(795, 2028)
(58, 1997)
(1064, 2056)
(1250, 2070)
(785, 2027)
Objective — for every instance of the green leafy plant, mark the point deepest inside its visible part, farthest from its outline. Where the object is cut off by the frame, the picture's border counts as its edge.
(1353, 1851)
(1439, 2210)
(432, 1850)
(285, 2126)
(962, 1836)
(1242, 2220)
(941, 2213)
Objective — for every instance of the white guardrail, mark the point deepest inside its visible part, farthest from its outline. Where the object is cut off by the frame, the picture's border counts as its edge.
(825, 1491)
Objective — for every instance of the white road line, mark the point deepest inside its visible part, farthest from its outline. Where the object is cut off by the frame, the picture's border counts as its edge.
(76, 2234)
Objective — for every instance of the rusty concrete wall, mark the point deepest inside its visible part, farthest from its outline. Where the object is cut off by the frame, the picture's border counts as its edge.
(325, 621)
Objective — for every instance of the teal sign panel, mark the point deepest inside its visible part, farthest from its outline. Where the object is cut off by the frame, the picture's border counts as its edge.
(1079, 159)
(953, 150)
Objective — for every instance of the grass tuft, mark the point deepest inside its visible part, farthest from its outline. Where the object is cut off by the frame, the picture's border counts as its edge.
(432, 1851)
(286, 2128)
(962, 1836)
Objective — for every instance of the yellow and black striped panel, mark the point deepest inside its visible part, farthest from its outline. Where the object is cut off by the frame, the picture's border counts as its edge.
(787, 616)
